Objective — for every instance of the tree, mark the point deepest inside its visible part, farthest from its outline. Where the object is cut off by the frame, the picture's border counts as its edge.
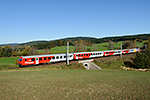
(14, 53)
(149, 43)
(26, 51)
(6, 51)
(111, 45)
(129, 44)
(126, 44)
(0, 51)
(80, 46)
(33, 51)
(59, 43)
(148, 52)
(140, 40)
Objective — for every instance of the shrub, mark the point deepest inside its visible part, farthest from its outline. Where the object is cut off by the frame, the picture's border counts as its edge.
(16, 61)
(140, 61)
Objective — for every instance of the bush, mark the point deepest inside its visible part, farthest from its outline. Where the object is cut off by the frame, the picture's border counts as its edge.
(16, 61)
(140, 61)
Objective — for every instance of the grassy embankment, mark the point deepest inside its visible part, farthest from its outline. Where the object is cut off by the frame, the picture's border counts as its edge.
(114, 63)
(75, 84)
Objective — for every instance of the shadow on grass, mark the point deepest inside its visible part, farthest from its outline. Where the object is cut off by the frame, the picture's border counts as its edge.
(129, 64)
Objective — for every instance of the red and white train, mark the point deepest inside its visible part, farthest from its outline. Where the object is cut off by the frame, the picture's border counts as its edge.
(40, 59)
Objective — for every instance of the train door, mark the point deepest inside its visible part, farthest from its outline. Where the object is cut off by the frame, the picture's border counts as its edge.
(37, 60)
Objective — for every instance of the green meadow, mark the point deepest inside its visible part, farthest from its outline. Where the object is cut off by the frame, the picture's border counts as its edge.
(8, 62)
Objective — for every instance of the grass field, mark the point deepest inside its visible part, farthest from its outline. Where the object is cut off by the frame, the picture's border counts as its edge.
(8, 62)
(75, 84)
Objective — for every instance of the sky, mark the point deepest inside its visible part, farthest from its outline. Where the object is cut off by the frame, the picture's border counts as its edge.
(30, 20)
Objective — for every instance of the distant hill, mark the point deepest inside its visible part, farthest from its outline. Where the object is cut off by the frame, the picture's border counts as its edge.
(93, 40)
(32, 43)
(78, 38)
(122, 38)
(64, 39)
(11, 44)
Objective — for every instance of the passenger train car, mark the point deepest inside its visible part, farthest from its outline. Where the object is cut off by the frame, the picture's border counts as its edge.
(40, 59)
(84, 55)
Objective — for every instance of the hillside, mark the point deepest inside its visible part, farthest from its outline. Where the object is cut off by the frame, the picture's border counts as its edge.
(63, 39)
(11, 44)
(123, 38)
(93, 40)
(32, 42)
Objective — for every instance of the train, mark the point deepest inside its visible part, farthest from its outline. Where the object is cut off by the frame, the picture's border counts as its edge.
(42, 59)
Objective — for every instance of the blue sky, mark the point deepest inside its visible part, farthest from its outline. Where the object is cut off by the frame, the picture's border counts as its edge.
(30, 20)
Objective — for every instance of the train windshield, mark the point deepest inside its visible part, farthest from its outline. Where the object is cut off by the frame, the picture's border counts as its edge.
(20, 59)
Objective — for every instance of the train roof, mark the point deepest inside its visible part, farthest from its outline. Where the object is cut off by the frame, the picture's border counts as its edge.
(41, 55)
(87, 52)
(69, 53)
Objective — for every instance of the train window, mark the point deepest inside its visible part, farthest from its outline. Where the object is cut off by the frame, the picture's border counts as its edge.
(53, 57)
(25, 59)
(96, 53)
(60, 57)
(87, 54)
(64, 56)
(49, 58)
(45, 58)
(33, 59)
(84, 54)
(20, 59)
(40, 58)
(76, 55)
(57, 57)
(70, 55)
(81, 55)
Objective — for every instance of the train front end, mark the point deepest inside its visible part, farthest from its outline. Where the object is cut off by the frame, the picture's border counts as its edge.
(20, 61)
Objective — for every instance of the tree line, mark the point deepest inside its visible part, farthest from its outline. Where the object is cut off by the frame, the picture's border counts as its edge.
(89, 40)
(8, 51)
(80, 44)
